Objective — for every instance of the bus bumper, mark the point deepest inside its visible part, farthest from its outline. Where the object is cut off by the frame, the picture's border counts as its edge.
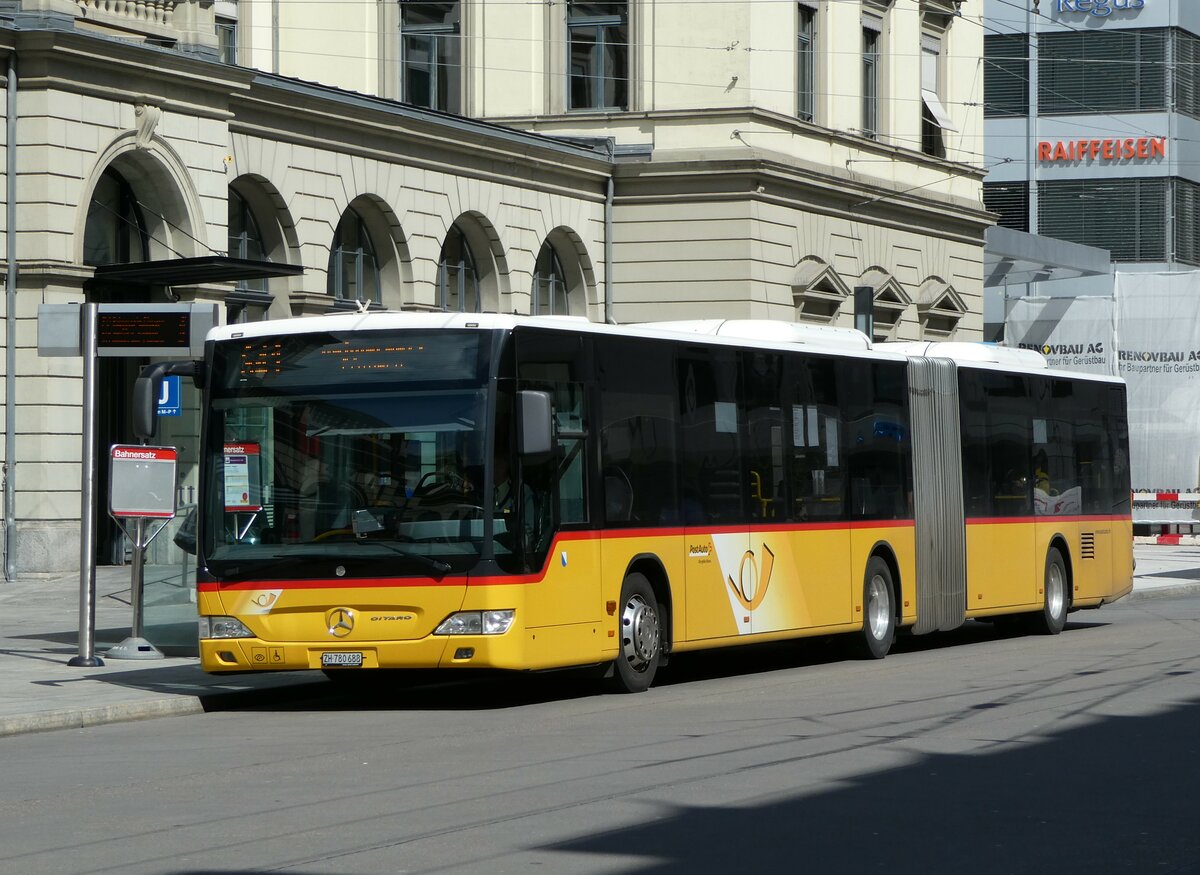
(507, 651)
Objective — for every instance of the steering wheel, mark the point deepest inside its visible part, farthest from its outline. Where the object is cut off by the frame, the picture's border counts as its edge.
(436, 481)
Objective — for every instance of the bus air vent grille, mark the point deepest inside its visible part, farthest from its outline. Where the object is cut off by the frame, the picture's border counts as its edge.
(1087, 545)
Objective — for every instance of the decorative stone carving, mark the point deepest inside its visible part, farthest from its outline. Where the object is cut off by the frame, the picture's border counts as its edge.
(147, 117)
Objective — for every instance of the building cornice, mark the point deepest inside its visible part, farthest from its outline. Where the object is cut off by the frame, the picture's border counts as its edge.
(816, 190)
(572, 123)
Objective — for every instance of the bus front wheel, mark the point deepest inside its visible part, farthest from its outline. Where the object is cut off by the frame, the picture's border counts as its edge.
(641, 636)
(1053, 616)
(879, 610)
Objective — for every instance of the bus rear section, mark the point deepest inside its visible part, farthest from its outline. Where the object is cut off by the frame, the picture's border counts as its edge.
(1046, 526)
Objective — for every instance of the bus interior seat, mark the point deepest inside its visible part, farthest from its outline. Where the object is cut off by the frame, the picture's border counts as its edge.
(618, 495)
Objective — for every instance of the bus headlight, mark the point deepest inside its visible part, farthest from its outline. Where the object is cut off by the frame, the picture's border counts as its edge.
(223, 627)
(476, 623)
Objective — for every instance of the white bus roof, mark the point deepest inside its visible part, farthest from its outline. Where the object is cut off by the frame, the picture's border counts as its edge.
(989, 355)
(753, 332)
(971, 353)
(763, 333)
(771, 331)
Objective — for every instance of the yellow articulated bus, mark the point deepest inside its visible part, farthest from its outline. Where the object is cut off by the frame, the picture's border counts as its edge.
(401, 490)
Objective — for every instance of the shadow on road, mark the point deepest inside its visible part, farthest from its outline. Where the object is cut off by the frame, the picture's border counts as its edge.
(434, 690)
(1117, 795)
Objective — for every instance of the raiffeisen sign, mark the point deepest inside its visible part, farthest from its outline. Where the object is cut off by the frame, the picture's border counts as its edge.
(1129, 149)
(1098, 8)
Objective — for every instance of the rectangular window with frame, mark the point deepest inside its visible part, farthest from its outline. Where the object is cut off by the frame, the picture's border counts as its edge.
(1128, 217)
(935, 118)
(598, 55)
(431, 55)
(870, 82)
(226, 13)
(1009, 200)
(806, 62)
(1006, 75)
(1186, 202)
(1102, 71)
(1185, 72)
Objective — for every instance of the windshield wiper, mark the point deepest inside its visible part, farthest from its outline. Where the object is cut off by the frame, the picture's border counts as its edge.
(272, 565)
(227, 569)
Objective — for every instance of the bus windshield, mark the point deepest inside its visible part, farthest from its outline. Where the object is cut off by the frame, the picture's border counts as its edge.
(362, 447)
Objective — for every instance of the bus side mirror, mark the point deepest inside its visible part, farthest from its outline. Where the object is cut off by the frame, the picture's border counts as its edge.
(145, 405)
(145, 392)
(535, 423)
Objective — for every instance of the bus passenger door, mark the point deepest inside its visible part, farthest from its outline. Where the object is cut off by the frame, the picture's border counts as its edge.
(554, 503)
(721, 572)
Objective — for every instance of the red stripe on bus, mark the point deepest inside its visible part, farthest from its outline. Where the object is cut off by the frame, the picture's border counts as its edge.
(526, 579)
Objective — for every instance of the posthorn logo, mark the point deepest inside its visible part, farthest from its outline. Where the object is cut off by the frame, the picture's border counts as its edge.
(1099, 8)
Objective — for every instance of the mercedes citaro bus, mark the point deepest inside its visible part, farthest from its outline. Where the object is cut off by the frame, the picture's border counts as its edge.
(404, 490)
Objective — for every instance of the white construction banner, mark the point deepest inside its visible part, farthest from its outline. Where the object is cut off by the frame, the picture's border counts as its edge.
(1074, 334)
(1149, 334)
(1158, 333)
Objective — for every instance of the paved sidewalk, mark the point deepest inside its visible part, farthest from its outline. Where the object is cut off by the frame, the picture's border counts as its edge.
(39, 621)
(39, 634)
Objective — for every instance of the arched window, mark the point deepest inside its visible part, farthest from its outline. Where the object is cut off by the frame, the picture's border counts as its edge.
(116, 228)
(353, 267)
(549, 285)
(245, 239)
(458, 280)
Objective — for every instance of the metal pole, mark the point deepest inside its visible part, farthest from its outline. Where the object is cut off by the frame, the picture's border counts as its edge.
(87, 523)
(10, 331)
(137, 579)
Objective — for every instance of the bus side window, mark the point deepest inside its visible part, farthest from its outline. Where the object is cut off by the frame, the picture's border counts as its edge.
(638, 451)
(762, 379)
(816, 467)
(711, 431)
(977, 491)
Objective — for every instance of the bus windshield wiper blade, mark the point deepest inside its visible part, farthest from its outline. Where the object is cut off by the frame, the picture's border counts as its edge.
(437, 566)
(274, 564)
(240, 569)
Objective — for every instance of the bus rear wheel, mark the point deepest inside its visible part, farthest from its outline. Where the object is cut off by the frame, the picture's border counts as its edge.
(879, 610)
(641, 636)
(1053, 615)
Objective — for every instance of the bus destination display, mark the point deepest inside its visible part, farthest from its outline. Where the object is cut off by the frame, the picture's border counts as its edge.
(313, 360)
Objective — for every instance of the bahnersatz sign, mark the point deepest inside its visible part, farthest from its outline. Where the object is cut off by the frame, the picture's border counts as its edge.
(1098, 8)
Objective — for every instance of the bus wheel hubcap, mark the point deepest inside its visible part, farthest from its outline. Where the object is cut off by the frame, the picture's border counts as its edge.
(1054, 591)
(878, 607)
(639, 632)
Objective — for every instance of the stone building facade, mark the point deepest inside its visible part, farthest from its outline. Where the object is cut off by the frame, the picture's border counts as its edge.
(769, 192)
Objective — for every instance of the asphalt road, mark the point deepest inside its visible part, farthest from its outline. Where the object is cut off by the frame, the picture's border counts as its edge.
(968, 751)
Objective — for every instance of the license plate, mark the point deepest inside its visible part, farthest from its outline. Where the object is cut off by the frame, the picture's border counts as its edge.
(342, 658)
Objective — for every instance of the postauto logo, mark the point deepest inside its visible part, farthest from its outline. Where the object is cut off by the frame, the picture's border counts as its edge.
(1099, 8)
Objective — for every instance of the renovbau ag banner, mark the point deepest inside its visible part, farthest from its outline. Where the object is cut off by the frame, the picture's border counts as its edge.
(1149, 334)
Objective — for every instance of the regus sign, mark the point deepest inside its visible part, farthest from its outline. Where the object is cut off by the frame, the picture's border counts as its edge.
(1099, 8)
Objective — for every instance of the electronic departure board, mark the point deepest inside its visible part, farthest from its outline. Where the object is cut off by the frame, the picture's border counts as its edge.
(126, 330)
(161, 331)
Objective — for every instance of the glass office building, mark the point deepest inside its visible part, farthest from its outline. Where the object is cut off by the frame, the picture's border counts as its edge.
(1092, 128)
